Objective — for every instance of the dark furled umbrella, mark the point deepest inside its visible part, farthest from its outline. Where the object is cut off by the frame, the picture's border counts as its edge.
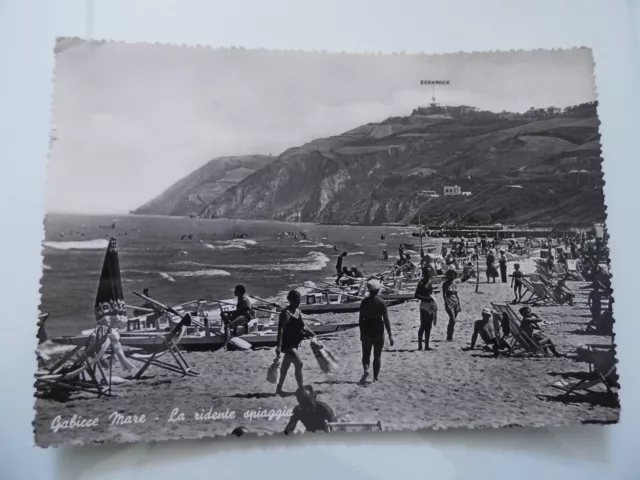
(110, 307)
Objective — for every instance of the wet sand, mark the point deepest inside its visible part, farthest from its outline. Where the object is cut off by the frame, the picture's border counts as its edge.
(442, 388)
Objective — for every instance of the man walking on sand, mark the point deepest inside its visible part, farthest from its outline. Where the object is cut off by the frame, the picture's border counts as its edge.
(374, 320)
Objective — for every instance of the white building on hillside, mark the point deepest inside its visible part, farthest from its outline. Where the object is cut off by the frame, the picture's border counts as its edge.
(455, 190)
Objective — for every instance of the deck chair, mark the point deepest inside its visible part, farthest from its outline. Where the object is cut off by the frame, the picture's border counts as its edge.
(603, 372)
(353, 426)
(168, 347)
(533, 296)
(80, 369)
(520, 342)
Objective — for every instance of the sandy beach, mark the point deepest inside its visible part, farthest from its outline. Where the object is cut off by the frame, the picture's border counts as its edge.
(442, 388)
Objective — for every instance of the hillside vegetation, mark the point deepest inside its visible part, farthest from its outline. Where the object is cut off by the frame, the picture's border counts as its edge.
(516, 167)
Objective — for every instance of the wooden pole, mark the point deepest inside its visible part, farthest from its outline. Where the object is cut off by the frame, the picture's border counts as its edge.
(477, 263)
(420, 233)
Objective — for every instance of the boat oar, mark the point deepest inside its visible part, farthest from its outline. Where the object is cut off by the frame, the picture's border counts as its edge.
(229, 303)
(185, 320)
(304, 315)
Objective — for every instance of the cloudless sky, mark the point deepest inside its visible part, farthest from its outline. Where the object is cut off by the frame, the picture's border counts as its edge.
(131, 119)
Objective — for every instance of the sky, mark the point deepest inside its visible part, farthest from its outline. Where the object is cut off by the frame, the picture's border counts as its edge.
(129, 120)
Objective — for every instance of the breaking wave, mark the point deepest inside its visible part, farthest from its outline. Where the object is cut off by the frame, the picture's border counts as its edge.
(312, 262)
(97, 244)
(203, 273)
(236, 243)
(167, 277)
(311, 244)
(356, 253)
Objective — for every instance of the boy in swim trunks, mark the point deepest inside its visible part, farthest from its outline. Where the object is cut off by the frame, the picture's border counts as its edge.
(312, 413)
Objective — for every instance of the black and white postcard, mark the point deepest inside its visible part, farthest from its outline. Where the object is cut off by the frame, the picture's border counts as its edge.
(248, 242)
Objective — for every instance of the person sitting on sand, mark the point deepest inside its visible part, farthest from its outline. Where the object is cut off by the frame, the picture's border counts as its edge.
(374, 320)
(562, 292)
(467, 272)
(481, 328)
(530, 328)
(240, 316)
(291, 331)
(451, 302)
(428, 309)
(516, 282)
(310, 411)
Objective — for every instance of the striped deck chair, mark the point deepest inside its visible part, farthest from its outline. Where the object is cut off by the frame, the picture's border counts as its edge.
(520, 342)
(78, 370)
(603, 372)
(168, 346)
(353, 426)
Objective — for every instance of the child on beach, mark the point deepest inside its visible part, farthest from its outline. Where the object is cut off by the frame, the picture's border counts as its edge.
(516, 282)
(291, 331)
(312, 413)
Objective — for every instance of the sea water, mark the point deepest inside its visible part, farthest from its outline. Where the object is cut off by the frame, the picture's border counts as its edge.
(154, 255)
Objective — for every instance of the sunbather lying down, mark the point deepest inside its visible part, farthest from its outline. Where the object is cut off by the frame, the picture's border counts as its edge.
(529, 326)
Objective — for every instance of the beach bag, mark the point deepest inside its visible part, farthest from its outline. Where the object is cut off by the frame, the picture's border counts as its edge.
(327, 361)
(273, 373)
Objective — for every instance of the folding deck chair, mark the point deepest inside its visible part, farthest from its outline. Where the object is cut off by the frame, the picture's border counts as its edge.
(353, 426)
(603, 371)
(169, 344)
(521, 342)
(79, 369)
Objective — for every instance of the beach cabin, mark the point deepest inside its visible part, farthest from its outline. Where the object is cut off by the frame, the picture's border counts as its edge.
(452, 191)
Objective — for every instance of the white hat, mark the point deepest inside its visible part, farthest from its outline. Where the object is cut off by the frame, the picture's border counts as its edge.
(373, 286)
(487, 311)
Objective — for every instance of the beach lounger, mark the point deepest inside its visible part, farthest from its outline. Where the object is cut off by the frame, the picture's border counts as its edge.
(79, 369)
(602, 372)
(353, 426)
(520, 342)
(539, 292)
(170, 348)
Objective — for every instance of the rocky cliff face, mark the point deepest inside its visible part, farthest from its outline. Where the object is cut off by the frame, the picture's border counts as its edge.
(518, 168)
(192, 194)
(543, 166)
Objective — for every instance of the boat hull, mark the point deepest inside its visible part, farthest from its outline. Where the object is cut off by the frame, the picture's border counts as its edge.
(153, 341)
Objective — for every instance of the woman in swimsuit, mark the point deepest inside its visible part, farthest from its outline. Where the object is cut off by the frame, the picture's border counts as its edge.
(451, 301)
(291, 331)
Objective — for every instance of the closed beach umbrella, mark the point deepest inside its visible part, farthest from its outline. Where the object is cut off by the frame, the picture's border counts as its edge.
(110, 307)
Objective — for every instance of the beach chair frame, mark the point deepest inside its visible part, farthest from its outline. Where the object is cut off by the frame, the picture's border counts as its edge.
(521, 342)
(170, 343)
(85, 374)
(349, 426)
(600, 371)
